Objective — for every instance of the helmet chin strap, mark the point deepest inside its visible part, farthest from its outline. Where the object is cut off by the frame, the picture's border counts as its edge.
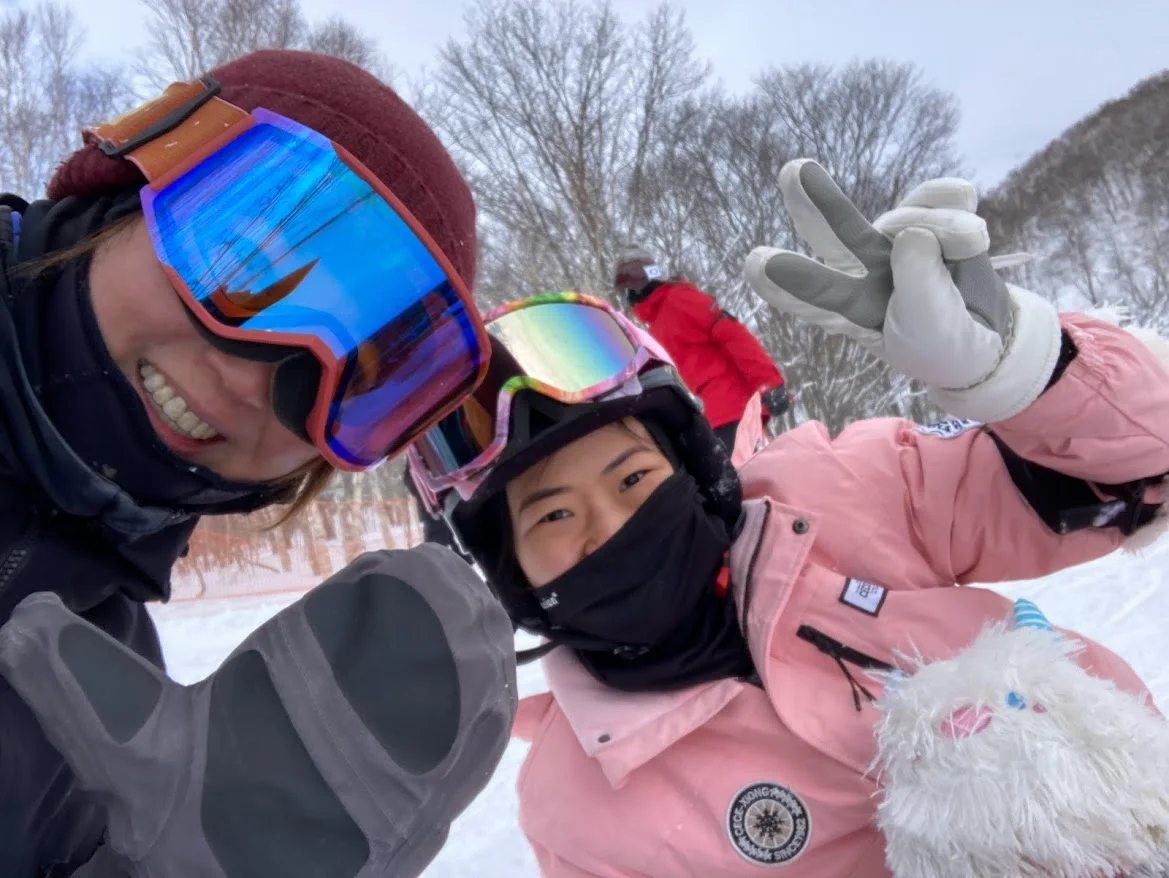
(527, 656)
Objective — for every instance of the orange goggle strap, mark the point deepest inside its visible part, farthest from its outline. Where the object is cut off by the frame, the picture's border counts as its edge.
(169, 135)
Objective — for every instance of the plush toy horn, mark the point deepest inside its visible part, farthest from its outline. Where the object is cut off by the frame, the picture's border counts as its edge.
(1027, 615)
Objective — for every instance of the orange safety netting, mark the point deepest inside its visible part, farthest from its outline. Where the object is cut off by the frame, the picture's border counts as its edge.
(239, 556)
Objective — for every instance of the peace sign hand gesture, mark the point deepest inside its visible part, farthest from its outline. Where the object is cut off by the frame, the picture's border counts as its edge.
(917, 288)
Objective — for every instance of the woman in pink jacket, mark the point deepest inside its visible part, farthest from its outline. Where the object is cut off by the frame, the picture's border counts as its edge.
(719, 635)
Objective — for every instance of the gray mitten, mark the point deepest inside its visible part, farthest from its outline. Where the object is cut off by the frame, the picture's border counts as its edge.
(340, 739)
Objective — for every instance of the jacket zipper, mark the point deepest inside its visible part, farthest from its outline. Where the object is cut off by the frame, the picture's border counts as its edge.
(841, 653)
(749, 585)
(748, 589)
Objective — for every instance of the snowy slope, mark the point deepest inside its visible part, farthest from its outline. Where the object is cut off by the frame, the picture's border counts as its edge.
(1121, 601)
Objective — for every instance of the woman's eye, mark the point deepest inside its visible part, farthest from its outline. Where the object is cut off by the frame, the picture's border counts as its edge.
(633, 478)
(554, 515)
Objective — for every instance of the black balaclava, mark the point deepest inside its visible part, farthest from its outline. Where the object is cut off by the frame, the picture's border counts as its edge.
(643, 612)
(88, 399)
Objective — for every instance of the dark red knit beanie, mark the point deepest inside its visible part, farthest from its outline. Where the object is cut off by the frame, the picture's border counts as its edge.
(345, 104)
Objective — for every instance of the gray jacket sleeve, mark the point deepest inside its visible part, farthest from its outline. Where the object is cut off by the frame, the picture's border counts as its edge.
(340, 739)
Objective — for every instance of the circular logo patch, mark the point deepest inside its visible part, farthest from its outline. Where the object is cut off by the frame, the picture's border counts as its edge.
(768, 824)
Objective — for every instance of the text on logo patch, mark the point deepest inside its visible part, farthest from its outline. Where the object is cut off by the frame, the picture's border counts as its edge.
(950, 428)
(768, 824)
(864, 596)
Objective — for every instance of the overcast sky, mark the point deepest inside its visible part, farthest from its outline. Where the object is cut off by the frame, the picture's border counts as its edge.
(1022, 70)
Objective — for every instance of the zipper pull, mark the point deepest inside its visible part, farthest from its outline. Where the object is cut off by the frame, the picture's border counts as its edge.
(857, 688)
(839, 653)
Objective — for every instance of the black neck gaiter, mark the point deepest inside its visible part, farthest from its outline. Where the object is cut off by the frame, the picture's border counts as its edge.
(636, 297)
(642, 612)
(85, 395)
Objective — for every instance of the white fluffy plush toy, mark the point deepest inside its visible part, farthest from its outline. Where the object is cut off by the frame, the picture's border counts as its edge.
(1010, 761)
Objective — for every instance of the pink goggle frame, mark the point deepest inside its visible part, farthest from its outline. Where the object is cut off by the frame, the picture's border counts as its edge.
(528, 350)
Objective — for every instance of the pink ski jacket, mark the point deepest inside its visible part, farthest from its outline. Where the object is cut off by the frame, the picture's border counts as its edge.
(849, 556)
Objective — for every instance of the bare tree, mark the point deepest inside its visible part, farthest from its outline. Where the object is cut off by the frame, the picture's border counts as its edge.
(46, 95)
(189, 37)
(581, 132)
(337, 37)
(1093, 208)
(244, 26)
(555, 110)
(182, 42)
(876, 127)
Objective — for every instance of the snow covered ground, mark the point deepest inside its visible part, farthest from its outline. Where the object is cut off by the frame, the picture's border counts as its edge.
(1121, 601)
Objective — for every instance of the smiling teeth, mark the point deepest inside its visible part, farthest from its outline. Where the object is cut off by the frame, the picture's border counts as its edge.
(172, 406)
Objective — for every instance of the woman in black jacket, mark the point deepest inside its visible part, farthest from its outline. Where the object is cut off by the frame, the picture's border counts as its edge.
(127, 411)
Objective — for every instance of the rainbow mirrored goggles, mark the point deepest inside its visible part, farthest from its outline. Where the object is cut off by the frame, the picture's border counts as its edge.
(568, 347)
(286, 249)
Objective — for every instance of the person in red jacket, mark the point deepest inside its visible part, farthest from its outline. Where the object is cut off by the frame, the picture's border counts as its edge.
(718, 358)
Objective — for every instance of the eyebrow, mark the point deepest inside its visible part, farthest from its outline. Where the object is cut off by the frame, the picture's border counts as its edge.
(622, 457)
(545, 493)
(537, 496)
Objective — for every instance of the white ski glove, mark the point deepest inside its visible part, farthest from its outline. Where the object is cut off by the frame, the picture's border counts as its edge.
(917, 288)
